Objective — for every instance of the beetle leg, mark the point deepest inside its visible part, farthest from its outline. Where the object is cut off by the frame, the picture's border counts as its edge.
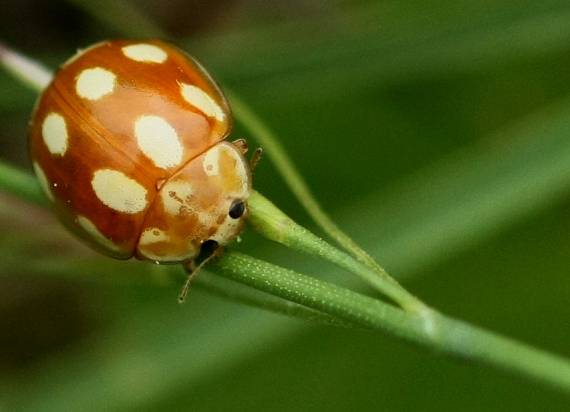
(193, 269)
(241, 144)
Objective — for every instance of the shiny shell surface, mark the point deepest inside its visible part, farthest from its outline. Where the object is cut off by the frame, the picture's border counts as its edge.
(128, 144)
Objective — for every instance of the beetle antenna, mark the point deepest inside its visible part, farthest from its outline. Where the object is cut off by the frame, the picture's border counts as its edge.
(255, 158)
(192, 272)
(209, 250)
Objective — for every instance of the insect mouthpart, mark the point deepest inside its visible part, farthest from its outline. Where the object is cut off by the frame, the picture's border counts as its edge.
(207, 249)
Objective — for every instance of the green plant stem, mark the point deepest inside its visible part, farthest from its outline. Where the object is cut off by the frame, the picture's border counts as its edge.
(25, 186)
(21, 184)
(238, 292)
(432, 329)
(36, 76)
(30, 72)
(438, 332)
(272, 223)
(295, 181)
(267, 219)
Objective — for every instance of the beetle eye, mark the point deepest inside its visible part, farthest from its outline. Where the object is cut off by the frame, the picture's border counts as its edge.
(237, 209)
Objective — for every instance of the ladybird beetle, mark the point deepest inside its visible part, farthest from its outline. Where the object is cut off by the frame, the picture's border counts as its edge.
(128, 142)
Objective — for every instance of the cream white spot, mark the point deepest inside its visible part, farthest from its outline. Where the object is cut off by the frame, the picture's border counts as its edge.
(176, 196)
(153, 235)
(202, 101)
(211, 166)
(227, 231)
(54, 132)
(241, 171)
(146, 53)
(95, 234)
(95, 83)
(169, 257)
(119, 192)
(158, 141)
(211, 161)
(44, 183)
(207, 219)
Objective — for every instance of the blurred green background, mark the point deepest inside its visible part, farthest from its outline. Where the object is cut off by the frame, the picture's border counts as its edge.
(437, 133)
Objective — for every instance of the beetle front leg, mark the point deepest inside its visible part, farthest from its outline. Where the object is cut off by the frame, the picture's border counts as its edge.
(242, 146)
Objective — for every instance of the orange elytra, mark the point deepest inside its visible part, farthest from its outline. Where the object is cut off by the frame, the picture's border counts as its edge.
(128, 141)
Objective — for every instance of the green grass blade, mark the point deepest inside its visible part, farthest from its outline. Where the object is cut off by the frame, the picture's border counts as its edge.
(133, 369)
(132, 364)
(469, 195)
(126, 18)
(273, 224)
(440, 332)
(17, 182)
(379, 47)
(32, 73)
(37, 77)
(541, 136)
(383, 47)
(295, 181)
(402, 63)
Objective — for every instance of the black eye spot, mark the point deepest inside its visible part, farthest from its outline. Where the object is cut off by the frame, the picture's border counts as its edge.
(237, 209)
